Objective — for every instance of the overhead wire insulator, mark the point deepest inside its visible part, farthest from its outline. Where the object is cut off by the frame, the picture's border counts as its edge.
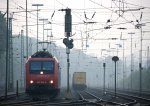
(52, 14)
(93, 15)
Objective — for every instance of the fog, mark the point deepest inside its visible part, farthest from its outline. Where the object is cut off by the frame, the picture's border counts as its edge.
(79, 62)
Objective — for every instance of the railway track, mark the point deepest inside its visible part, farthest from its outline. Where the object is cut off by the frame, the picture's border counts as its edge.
(43, 103)
(140, 100)
(144, 94)
(90, 97)
(110, 98)
(11, 96)
(24, 100)
(104, 100)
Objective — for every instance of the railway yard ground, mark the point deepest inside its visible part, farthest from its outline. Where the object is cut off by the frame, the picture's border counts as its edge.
(88, 97)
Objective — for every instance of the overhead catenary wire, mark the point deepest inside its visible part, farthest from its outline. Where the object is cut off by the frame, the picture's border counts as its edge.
(110, 10)
(133, 4)
(77, 14)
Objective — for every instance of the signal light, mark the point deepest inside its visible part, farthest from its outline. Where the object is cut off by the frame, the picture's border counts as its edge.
(31, 82)
(41, 72)
(70, 46)
(65, 41)
(51, 81)
(68, 43)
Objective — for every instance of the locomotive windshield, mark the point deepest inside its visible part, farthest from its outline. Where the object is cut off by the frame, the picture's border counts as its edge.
(37, 66)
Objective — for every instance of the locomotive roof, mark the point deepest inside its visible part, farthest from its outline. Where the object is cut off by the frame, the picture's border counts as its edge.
(42, 54)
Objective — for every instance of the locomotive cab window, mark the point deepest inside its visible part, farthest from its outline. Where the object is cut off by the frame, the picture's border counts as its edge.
(47, 67)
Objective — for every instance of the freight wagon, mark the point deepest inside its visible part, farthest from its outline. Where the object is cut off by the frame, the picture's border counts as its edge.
(79, 81)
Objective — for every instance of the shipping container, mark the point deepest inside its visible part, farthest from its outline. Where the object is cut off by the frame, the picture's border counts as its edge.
(79, 80)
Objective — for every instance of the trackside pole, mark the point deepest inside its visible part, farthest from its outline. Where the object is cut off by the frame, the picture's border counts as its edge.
(115, 59)
(17, 88)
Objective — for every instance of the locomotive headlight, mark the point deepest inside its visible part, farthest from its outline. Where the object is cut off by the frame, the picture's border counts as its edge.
(51, 81)
(31, 82)
(41, 72)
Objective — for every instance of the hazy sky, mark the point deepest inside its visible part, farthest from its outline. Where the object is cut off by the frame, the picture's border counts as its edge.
(105, 15)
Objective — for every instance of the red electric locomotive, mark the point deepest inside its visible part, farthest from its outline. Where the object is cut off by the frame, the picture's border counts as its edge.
(42, 74)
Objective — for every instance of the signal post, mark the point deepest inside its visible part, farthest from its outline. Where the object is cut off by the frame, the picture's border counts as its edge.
(68, 43)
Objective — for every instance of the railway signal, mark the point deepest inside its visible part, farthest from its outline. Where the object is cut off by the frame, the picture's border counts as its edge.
(115, 59)
(68, 43)
(104, 66)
